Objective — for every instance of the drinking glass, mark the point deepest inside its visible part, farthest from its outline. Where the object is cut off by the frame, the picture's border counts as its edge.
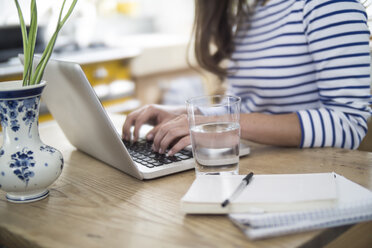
(215, 133)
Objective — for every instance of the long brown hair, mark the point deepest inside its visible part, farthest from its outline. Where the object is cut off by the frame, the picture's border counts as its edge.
(214, 25)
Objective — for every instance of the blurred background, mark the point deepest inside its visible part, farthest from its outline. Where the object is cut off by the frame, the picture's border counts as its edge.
(133, 52)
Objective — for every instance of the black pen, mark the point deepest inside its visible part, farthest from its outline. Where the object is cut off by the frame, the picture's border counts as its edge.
(238, 190)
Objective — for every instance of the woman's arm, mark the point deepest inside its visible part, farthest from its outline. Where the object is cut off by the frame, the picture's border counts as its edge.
(338, 38)
(279, 130)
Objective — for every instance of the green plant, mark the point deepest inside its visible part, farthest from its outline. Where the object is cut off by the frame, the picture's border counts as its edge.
(30, 76)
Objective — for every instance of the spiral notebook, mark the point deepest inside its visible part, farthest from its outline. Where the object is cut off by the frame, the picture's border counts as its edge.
(354, 205)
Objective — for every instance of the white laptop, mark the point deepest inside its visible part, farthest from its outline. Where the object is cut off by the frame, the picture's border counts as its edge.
(74, 105)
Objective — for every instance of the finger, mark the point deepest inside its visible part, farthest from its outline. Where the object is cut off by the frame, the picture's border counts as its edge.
(151, 134)
(168, 132)
(171, 136)
(159, 133)
(129, 121)
(182, 143)
(144, 117)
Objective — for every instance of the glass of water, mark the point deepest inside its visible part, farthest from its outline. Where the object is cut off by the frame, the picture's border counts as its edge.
(215, 133)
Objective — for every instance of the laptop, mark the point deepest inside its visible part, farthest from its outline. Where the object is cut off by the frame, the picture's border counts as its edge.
(75, 106)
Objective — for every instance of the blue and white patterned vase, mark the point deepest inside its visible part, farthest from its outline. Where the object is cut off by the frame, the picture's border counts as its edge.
(27, 165)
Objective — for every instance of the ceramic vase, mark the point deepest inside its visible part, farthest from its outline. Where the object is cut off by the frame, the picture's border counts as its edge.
(27, 165)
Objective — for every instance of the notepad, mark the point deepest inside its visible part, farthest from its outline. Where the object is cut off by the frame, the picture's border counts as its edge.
(354, 204)
(265, 193)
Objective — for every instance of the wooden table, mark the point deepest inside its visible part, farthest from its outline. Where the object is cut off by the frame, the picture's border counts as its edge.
(95, 205)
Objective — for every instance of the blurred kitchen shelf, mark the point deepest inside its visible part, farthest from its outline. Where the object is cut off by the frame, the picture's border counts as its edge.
(87, 56)
(107, 70)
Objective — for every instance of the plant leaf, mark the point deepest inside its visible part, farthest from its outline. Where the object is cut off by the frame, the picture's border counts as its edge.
(32, 34)
(46, 54)
(49, 49)
(24, 39)
(72, 6)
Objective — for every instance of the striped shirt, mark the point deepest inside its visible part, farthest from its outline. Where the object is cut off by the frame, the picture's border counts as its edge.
(311, 58)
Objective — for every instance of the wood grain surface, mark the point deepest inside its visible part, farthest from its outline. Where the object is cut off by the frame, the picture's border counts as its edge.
(95, 205)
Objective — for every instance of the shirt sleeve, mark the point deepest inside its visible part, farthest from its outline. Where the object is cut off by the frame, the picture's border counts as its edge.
(338, 38)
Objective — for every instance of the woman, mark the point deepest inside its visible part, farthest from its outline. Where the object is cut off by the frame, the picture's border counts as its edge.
(302, 69)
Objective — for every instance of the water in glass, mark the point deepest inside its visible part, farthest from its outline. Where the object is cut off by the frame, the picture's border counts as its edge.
(216, 147)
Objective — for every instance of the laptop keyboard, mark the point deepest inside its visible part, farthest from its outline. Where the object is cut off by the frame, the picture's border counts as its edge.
(142, 153)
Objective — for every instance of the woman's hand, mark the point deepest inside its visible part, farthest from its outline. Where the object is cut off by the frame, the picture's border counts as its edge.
(150, 114)
(170, 127)
(173, 134)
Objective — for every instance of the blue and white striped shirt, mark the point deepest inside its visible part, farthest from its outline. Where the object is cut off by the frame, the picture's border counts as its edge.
(311, 58)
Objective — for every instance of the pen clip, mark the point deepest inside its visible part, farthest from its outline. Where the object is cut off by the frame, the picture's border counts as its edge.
(248, 177)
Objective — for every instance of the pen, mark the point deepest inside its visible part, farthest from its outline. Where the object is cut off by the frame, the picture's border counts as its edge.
(238, 190)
